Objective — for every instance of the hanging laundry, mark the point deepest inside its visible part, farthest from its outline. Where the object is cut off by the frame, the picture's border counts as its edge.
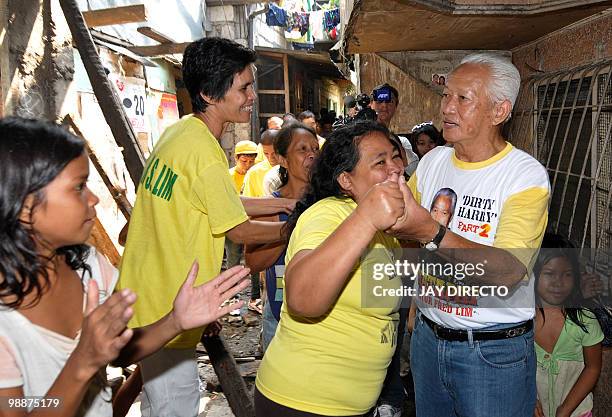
(276, 16)
(316, 26)
(293, 5)
(302, 22)
(331, 19)
(299, 46)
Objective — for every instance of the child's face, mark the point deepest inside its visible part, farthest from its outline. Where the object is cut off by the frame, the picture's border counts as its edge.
(66, 214)
(556, 281)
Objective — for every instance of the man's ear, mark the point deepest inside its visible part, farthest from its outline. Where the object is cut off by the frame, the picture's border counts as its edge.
(345, 182)
(281, 160)
(209, 100)
(501, 112)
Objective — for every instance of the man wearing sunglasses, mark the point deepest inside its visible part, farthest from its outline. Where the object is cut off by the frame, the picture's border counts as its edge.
(385, 99)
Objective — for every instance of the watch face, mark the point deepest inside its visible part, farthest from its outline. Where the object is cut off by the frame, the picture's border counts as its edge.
(431, 246)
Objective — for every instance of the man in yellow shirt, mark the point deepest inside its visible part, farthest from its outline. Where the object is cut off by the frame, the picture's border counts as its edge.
(185, 206)
(253, 182)
(254, 187)
(245, 152)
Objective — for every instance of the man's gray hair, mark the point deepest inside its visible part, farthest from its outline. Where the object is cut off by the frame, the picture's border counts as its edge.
(505, 79)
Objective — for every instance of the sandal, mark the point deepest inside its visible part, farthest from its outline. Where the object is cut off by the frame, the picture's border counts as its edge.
(255, 305)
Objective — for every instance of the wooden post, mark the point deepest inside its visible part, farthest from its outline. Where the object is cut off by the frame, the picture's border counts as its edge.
(286, 81)
(105, 93)
(121, 200)
(233, 385)
(5, 76)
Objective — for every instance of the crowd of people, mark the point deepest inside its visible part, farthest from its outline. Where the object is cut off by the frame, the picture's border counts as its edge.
(313, 210)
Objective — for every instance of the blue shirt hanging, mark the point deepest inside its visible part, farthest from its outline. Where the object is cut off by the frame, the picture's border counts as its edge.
(276, 16)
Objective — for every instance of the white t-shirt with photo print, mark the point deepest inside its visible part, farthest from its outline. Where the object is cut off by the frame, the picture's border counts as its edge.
(500, 202)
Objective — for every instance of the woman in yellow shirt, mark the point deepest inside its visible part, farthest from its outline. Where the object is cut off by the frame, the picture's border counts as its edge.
(335, 340)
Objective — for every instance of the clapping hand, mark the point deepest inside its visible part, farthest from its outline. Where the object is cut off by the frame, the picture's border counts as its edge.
(201, 305)
(104, 331)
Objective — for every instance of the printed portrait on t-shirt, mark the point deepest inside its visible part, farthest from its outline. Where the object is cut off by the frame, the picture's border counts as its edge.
(443, 206)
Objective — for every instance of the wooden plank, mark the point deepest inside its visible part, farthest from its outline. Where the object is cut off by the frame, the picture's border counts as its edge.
(286, 81)
(111, 106)
(234, 387)
(154, 34)
(162, 49)
(270, 91)
(116, 15)
(212, 3)
(118, 195)
(103, 243)
(5, 78)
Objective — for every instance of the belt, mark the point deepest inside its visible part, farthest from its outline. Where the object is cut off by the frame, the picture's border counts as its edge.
(455, 335)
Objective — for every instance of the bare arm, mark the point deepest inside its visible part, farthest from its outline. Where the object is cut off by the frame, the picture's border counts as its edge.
(260, 257)
(103, 334)
(586, 381)
(193, 307)
(265, 206)
(311, 294)
(69, 387)
(253, 232)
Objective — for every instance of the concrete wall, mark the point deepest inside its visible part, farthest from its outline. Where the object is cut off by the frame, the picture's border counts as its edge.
(582, 43)
(40, 66)
(418, 102)
(183, 20)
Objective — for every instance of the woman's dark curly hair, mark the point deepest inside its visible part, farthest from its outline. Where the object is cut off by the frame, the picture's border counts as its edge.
(282, 141)
(32, 154)
(339, 154)
(209, 66)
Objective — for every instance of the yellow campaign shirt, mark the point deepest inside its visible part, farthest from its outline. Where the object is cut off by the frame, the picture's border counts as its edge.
(254, 178)
(238, 179)
(185, 203)
(334, 364)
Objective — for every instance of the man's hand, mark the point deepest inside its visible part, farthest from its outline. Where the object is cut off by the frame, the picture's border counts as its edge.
(198, 306)
(416, 223)
(382, 205)
(287, 205)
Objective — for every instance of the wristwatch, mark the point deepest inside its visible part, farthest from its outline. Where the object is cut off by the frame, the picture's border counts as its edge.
(434, 244)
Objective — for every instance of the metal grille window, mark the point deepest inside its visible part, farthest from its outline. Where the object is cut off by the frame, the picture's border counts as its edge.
(565, 119)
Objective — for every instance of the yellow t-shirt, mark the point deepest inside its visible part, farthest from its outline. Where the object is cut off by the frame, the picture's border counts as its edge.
(334, 364)
(254, 178)
(238, 179)
(185, 203)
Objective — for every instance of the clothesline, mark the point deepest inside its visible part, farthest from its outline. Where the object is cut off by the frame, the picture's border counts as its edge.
(322, 24)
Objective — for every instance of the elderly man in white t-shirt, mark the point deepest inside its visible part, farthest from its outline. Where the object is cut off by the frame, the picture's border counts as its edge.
(474, 356)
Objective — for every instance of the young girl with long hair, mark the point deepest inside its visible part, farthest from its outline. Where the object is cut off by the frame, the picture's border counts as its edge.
(331, 351)
(568, 336)
(296, 146)
(59, 324)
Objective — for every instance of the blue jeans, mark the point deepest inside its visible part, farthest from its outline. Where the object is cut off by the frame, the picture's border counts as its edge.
(492, 378)
(269, 326)
(233, 253)
(393, 391)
